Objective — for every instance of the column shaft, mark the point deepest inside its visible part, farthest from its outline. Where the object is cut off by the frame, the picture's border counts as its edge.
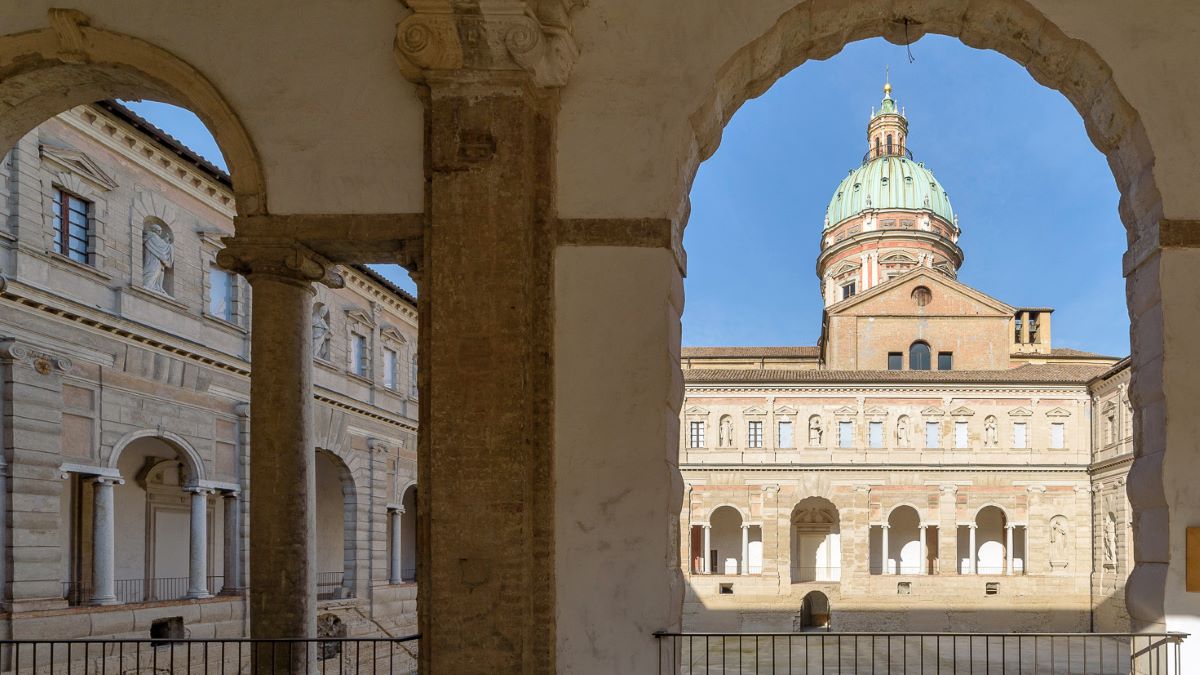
(198, 546)
(887, 567)
(232, 583)
(924, 562)
(103, 543)
(706, 563)
(1008, 549)
(395, 574)
(745, 567)
(972, 566)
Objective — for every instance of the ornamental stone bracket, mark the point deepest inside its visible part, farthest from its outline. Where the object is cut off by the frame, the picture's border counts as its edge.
(280, 257)
(13, 351)
(488, 35)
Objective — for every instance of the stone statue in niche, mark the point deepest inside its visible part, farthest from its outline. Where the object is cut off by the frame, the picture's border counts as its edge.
(725, 433)
(989, 431)
(1110, 540)
(902, 432)
(815, 432)
(158, 256)
(1060, 551)
(321, 332)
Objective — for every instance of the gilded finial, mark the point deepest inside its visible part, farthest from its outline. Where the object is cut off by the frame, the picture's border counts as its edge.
(887, 81)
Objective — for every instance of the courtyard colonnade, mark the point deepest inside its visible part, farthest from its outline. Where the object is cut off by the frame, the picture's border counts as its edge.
(533, 176)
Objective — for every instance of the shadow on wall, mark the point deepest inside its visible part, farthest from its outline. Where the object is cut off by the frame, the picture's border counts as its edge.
(899, 613)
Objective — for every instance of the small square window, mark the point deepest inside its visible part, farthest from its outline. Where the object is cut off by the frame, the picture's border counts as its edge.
(945, 360)
(726, 589)
(169, 628)
(904, 588)
(895, 361)
(848, 290)
(992, 588)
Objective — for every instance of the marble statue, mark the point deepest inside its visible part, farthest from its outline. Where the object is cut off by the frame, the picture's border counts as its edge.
(158, 256)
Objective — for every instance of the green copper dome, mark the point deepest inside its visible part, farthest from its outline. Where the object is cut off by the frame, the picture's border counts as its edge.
(890, 182)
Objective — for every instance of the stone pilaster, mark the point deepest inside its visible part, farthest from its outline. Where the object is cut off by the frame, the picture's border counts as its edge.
(282, 574)
(775, 537)
(32, 453)
(947, 522)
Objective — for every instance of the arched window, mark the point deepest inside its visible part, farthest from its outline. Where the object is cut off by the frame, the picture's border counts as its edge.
(878, 147)
(918, 356)
(889, 144)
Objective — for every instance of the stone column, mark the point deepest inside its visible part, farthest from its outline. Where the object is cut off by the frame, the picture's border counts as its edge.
(1008, 549)
(971, 568)
(103, 542)
(281, 273)
(947, 529)
(924, 551)
(198, 545)
(232, 510)
(887, 567)
(745, 568)
(705, 564)
(395, 573)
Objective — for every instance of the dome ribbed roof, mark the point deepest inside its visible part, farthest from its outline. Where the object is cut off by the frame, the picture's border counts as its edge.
(893, 182)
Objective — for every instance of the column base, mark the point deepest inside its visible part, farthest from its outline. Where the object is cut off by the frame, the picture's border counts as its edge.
(198, 595)
(109, 600)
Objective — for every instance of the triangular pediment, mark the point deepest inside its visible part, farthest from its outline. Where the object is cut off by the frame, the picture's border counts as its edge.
(695, 410)
(1058, 412)
(845, 267)
(846, 410)
(391, 333)
(1109, 407)
(880, 299)
(933, 411)
(81, 165)
(898, 257)
(755, 410)
(785, 410)
(359, 316)
(1020, 412)
(962, 411)
(875, 411)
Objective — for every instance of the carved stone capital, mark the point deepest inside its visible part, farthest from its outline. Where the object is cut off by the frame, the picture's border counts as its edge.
(279, 257)
(948, 489)
(1036, 489)
(13, 351)
(529, 35)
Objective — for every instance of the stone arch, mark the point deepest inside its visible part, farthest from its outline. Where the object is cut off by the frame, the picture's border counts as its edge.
(195, 463)
(726, 523)
(69, 63)
(344, 513)
(899, 505)
(1014, 28)
(903, 554)
(814, 611)
(745, 515)
(990, 551)
(409, 536)
(816, 547)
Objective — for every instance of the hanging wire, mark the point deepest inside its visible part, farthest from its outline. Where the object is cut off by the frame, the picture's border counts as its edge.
(908, 43)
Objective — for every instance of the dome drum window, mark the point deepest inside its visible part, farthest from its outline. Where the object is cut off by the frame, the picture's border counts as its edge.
(922, 295)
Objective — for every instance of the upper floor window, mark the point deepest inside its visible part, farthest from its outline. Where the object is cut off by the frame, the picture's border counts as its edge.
(412, 376)
(696, 434)
(389, 368)
(878, 146)
(895, 361)
(1033, 328)
(1019, 439)
(72, 225)
(786, 438)
(845, 434)
(754, 434)
(889, 144)
(933, 435)
(1058, 435)
(220, 293)
(1110, 428)
(875, 434)
(921, 295)
(848, 290)
(358, 354)
(960, 434)
(1017, 330)
(918, 356)
(945, 360)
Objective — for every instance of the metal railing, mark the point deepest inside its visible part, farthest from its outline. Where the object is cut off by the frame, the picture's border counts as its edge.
(129, 591)
(329, 585)
(319, 655)
(896, 151)
(832, 652)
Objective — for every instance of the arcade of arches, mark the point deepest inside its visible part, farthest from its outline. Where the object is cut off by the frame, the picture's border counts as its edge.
(545, 168)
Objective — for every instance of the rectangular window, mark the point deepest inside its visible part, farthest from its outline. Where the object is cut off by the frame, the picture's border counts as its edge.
(412, 377)
(933, 435)
(845, 434)
(960, 434)
(895, 361)
(786, 439)
(72, 225)
(1033, 328)
(1058, 435)
(1017, 330)
(220, 293)
(1019, 435)
(389, 368)
(848, 290)
(945, 360)
(875, 434)
(696, 434)
(358, 354)
(754, 434)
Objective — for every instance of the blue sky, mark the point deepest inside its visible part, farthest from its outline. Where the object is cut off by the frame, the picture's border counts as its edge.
(1036, 201)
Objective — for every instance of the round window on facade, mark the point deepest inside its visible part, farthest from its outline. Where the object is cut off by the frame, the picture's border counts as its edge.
(921, 295)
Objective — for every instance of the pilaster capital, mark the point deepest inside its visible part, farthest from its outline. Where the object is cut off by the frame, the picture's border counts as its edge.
(770, 489)
(242, 409)
(1083, 489)
(279, 257)
(496, 35)
(1036, 489)
(948, 489)
(14, 351)
(105, 480)
(199, 490)
(396, 508)
(862, 488)
(378, 446)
